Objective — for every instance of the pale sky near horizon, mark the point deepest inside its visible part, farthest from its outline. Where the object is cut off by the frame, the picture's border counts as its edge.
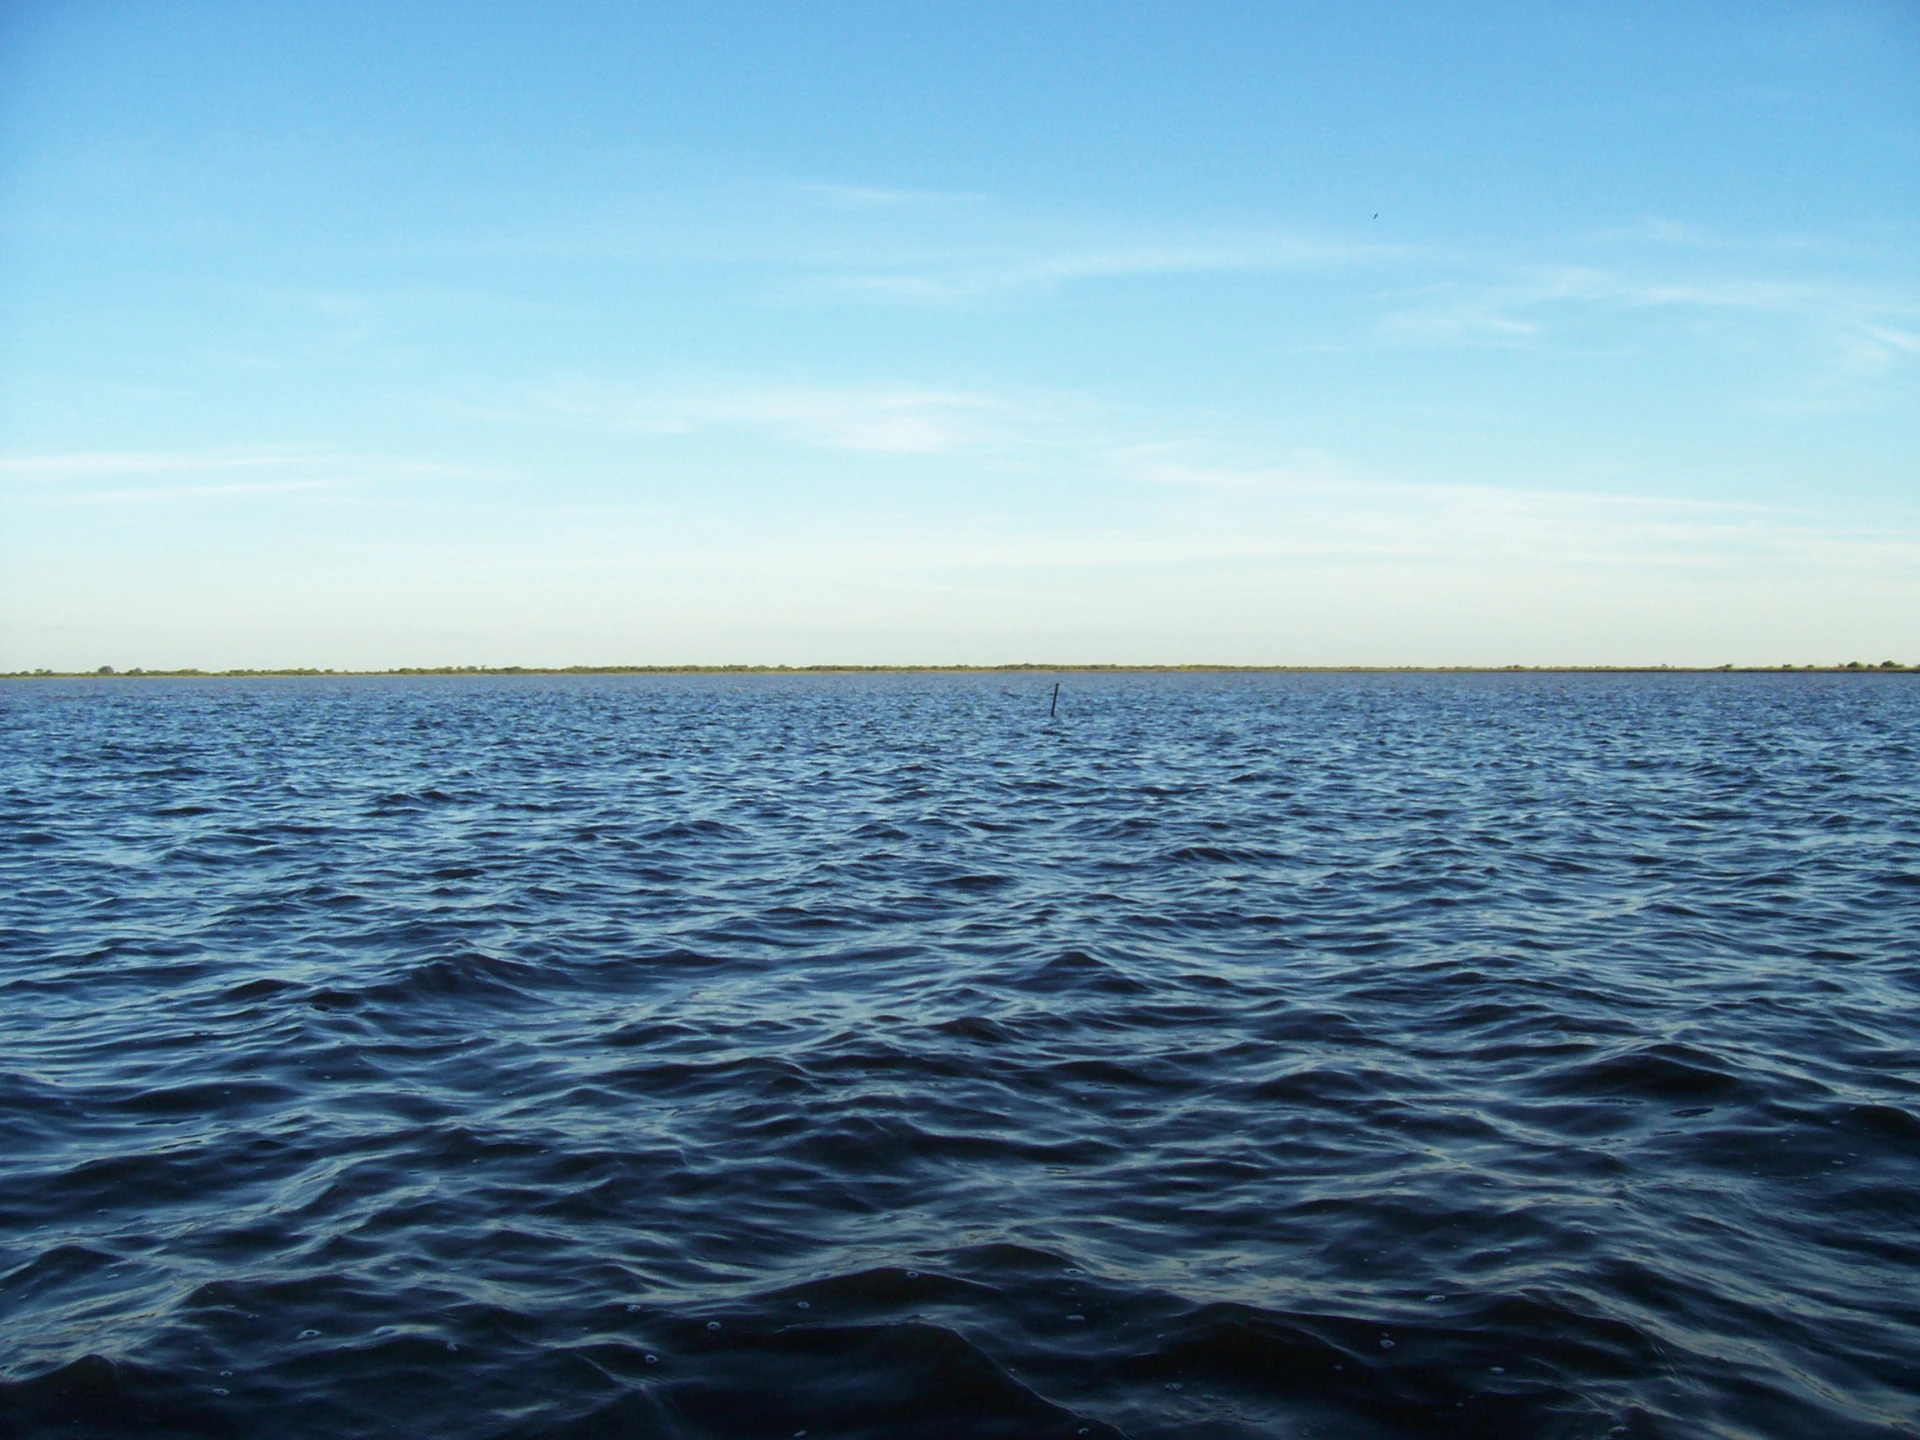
(1476, 333)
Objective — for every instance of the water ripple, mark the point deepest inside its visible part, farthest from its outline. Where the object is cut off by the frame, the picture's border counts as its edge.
(873, 1056)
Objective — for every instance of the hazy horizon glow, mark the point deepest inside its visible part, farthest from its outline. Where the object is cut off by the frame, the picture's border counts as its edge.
(421, 334)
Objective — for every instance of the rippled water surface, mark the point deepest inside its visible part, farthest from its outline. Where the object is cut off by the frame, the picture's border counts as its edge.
(1227, 1056)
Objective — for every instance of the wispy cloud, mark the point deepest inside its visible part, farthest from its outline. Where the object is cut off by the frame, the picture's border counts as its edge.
(1160, 465)
(92, 464)
(1452, 315)
(1285, 523)
(898, 419)
(93, 477)
(968, 275)
(1665, 232)
(1316, 507)
(1340, 516)
(1657, 230)
(882, 196)
(1544, 301)
(808, 241)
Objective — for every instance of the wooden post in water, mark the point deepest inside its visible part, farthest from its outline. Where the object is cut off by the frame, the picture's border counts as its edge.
(1056, 700)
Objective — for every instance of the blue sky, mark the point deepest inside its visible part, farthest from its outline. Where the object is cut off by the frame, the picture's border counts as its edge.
(1399, 334)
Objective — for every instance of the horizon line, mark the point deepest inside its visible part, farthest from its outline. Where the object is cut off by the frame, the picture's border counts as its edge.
(108, 672)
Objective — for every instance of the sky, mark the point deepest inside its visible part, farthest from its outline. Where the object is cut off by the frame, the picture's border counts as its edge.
(357, 336)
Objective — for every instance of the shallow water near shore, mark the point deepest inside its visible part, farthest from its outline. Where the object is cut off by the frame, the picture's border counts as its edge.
(874, 1056)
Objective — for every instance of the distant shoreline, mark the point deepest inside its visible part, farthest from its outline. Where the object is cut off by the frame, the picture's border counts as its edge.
(1854, 667)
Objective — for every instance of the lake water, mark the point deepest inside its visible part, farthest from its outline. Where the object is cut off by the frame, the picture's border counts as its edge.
(1226, 1056)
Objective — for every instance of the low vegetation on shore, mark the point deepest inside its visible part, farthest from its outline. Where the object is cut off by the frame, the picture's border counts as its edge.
(109, 672)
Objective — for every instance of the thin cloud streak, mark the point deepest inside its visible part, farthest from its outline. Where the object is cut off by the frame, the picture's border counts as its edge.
(74, 478)
(885, 419)
(1395, 527)
(1518, 312)
(96, 463)
(952, 280)
(874, 196)
(861, 243)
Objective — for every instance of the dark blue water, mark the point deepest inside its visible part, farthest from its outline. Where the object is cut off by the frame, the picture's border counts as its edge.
(1230, 1056)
